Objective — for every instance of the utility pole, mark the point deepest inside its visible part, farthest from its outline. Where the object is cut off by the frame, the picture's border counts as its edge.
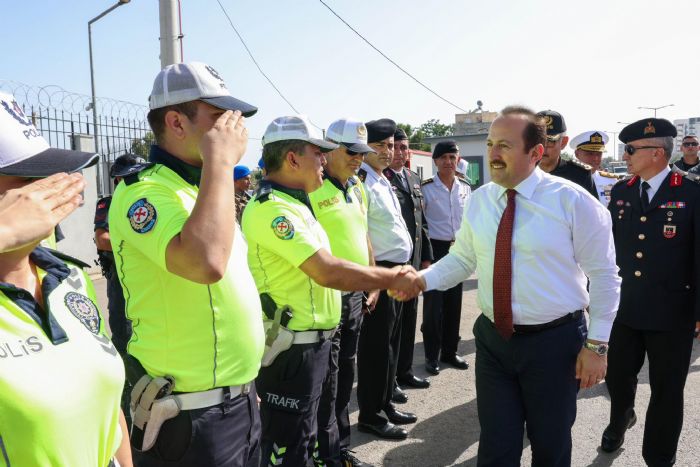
(170, 32)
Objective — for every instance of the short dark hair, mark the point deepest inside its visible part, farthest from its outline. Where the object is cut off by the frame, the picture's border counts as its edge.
(156, 117)
(536, 130)
(273, 153)
(689, 136)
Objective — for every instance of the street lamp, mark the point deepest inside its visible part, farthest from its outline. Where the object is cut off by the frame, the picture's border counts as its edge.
(656, 108)
(614, 141)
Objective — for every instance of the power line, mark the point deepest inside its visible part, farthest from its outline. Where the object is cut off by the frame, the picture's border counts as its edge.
(253, 59)
(390, 60)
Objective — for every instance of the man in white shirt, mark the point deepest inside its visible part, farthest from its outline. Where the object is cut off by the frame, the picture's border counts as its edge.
(380, 336)
(444, 195)
(532, 239)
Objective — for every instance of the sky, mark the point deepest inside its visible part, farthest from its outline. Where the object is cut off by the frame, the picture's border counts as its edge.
(594, 61)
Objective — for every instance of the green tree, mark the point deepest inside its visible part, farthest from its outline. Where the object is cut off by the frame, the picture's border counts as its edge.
(433, 127)
(142, 146)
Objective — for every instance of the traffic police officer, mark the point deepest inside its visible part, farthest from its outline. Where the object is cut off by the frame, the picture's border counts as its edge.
(181, 260)
(296, 275)
(656, 224)
(121, 328)
(589, 147)
(553, 163)
(406, 185)
(340, 206)
(445, 195)
(60, 376)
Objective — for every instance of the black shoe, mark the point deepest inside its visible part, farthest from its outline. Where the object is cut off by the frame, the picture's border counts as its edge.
(399, 418)
(612, 441)
(413, 381)
(348, 460)
(398, 396)
(432, 367)
(456, 361)
(386, 430)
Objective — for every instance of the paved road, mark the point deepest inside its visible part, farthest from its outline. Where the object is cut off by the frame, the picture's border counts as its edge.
(447, 432)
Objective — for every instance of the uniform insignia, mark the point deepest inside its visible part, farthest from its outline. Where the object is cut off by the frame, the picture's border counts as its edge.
(580, 164)
(427, 181)
(388, 173)
(596, 138)
(358, 194)
(84, 309)
(669, 231)
(362, 174)
(620, 202)
(548, 121)
(283, 228)
(142, 216)
(632, 180)
(673, 205)
(676, 179)
(649, 129)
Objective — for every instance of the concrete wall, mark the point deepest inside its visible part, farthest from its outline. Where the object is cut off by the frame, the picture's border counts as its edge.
(470, 146)
(78, 227)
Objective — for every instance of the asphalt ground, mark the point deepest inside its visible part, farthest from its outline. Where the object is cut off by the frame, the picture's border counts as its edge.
(447, 431)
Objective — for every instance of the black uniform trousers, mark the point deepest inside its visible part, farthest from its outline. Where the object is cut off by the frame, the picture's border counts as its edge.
(224, 435)
(333, 409)
(529, 380)
(409, 315)
(290, 390)
(442, 312)
(669, 355)
(118, 324)
(377, 356)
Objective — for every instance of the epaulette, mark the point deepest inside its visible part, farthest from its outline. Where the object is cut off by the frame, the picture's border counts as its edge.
(65, 257)
(263, 193)
(578, 163)
(463, 178)
(678, 170)
(362, 175)
(693, 177)
(427, 181)
(352, 181)
(388, 173)
(605, 174)
(132, 176)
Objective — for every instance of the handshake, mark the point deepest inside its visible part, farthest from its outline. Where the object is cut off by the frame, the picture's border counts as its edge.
(407, 284)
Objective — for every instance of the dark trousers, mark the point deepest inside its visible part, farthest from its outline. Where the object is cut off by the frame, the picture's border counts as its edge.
(409, 313)
(290, 390)
(334, 410)
(225, 435)
(118, 324)
(669, 355)
(377, 358)
(526, 381)
(442, 312)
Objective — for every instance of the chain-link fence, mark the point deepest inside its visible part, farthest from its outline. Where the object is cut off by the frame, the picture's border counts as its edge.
(61, 116)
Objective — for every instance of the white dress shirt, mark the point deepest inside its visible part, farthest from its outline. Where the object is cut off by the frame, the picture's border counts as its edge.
(387, 229)
(443, 207)
(655, 182)
(560, 236)
(603, 186)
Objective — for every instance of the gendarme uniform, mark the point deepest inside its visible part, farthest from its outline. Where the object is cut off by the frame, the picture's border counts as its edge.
(342, 212)
(60, 376)
(207, 337)
(442, 310)
(283, 233)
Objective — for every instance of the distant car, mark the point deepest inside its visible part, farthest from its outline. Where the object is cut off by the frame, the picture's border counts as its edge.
(620, 170)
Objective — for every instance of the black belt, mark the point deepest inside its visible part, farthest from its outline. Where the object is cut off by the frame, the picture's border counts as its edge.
(530, 328)
(388, 264)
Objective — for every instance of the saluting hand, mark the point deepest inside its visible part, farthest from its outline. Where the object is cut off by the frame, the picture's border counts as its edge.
(30, 213)
(226, 141)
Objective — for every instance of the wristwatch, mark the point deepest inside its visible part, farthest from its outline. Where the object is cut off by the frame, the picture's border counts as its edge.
(600, 349)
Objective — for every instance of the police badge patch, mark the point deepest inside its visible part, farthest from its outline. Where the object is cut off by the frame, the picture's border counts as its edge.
(358, 195)
(142, 216)
(85, 310)
(283, 228)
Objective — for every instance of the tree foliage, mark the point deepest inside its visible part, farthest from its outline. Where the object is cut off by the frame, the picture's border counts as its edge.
(432, 127)
(142, 146)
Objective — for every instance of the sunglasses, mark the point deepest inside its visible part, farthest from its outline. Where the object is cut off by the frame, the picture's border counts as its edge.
(351, 153)
(630, 150)
(690, 144)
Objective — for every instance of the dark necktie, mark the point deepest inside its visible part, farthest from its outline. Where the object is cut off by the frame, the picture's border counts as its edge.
(402, 179)
(645, 196)
(503, 271)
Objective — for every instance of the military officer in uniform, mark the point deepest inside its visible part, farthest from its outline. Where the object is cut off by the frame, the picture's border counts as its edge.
(118, 324)
(589, 147)
(406, 185)
(553, 163)
(445, 195)
(241, 183)
(656, 224)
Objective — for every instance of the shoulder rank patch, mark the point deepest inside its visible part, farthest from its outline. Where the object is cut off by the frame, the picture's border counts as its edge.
(142, 216)
(84, 309)
(605, 174)
(676, 179)
(362, 174)
(578, 163)
(426, 181)
(283, 228)
(388, 173)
